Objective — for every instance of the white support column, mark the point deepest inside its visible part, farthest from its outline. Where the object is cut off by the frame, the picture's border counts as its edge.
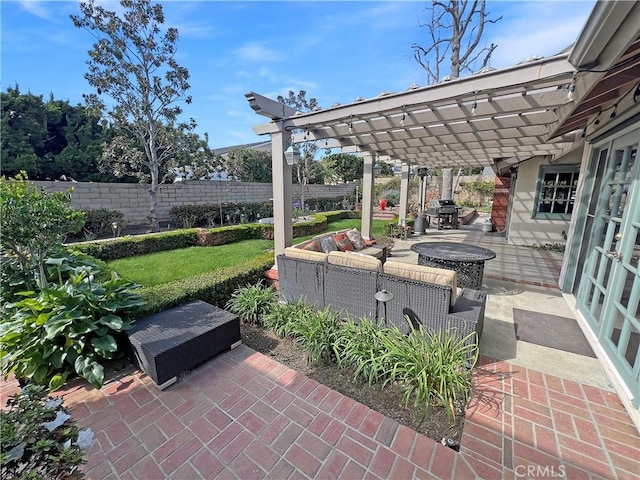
(367, 194)
(282, 193)
(404, 192)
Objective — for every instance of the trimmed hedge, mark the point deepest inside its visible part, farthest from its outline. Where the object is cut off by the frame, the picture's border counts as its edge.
(123, 247)
(213, 287)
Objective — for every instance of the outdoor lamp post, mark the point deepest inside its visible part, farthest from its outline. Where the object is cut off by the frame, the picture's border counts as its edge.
(292, 155)
(383, 296)
(377, 168)
(422, 175)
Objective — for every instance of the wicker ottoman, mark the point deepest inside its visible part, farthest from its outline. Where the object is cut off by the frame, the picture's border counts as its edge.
(167, 344)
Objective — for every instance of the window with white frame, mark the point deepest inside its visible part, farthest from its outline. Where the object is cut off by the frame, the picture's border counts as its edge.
(556, 191)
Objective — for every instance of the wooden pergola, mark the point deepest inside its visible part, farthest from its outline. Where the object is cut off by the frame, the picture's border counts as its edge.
(496, 118)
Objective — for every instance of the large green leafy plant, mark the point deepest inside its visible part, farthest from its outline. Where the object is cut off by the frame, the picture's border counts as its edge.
(59, 315)
(67, 327)
(39, 438)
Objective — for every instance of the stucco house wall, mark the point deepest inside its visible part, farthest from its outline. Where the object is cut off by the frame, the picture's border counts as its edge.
(523, 229)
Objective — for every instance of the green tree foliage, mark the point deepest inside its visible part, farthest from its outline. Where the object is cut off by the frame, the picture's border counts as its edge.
(308, 170)
(50, 140)
(386, 170)
(34, 222)
(133, 63)
(343, 167)
(248, 165)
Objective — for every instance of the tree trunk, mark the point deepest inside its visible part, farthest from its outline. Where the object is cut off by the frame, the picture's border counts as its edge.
(153, 191)
(447, 184)
(153, 203)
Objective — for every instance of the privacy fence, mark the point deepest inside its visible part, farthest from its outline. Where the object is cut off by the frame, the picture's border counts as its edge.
(133, 199)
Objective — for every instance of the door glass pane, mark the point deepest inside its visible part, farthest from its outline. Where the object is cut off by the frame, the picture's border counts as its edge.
(631, 352)
(635, 254)
(624, 160)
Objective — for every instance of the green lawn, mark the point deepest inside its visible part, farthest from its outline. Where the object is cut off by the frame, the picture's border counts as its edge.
(163, 267)
(378, 228)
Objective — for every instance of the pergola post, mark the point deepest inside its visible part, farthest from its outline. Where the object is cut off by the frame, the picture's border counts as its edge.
(404, 192)
(282, 193)
(367, 194)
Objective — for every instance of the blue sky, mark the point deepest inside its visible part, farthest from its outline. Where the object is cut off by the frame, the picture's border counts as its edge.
(336, 51)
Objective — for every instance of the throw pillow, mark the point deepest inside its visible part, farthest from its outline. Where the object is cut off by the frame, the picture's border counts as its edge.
(356, 239)
(312, 246)
(343, 242)
(328, 245)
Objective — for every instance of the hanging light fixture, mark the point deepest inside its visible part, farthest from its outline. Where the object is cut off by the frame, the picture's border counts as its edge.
(351, 124)
(292, 155)
(571, 88)
(403, 115)
(597, 120)
(377, 168)
(475, 103)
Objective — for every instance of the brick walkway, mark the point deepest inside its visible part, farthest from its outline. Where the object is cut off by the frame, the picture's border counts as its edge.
(243, 415)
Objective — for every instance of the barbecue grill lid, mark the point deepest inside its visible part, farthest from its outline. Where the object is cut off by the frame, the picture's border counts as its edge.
(437, 203)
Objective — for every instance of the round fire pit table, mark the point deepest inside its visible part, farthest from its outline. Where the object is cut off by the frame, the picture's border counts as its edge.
(466, 260)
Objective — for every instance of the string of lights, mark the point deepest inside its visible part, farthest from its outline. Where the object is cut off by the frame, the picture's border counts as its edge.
(613, 109)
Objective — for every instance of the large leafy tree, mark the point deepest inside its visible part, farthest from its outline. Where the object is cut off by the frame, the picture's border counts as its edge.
(133, 63)
(24, 131)
(50, 140)
(343, 167)
(308, 170)
(249, 165)
(454, 34)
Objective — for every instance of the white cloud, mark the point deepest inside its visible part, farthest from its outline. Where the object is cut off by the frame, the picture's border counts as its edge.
(537, 28)
(235, 113)
(257, 52)
(36, 8)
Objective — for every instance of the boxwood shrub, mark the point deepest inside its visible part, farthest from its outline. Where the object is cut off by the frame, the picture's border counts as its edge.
(123, 247)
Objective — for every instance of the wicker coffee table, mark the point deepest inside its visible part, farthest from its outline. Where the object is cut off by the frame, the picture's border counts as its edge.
(466, 260)
(168, 343)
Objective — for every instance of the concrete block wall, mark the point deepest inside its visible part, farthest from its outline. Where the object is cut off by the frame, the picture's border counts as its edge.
(132, 199)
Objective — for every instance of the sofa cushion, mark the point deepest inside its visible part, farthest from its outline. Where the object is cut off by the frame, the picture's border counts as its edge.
(356, 239)
(349, 259)
(343, 242)
(377, 252)
(422, 273)
(293, 252)
(327, 244)
(312, 246)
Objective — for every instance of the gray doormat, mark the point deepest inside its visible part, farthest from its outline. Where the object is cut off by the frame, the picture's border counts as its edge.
(551, 331)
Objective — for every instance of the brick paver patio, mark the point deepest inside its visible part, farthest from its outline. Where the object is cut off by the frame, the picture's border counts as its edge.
(244, 415)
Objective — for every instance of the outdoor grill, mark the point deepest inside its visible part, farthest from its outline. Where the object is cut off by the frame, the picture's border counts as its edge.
(445, 211)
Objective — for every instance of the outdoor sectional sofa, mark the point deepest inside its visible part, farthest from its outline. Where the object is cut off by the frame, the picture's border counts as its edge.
(347, 282)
